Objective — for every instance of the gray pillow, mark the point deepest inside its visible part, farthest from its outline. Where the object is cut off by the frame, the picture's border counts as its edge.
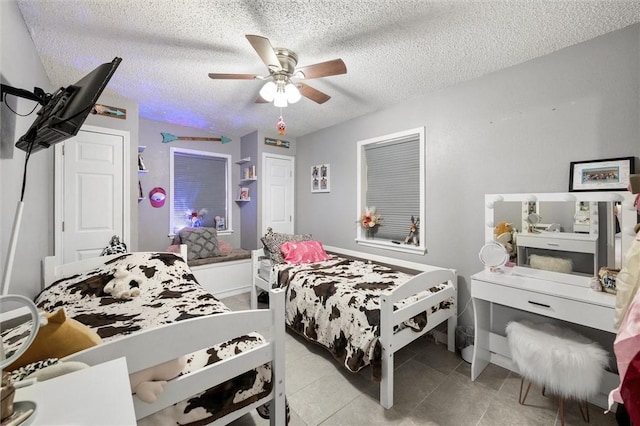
(201, 242)
(273, 240)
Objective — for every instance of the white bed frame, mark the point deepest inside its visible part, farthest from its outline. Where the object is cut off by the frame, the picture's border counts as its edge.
(392, 342)
(156, 346)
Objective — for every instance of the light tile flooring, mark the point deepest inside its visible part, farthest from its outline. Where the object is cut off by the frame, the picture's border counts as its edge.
(432, 387)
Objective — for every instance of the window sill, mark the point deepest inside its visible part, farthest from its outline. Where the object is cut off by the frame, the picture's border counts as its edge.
(388, 245)
(225, 232)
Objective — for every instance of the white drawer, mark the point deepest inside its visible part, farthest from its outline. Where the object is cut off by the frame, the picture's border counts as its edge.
(587, 314)
(576, 245)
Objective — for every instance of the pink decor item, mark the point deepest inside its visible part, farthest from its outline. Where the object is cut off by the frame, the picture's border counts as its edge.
(303, 252)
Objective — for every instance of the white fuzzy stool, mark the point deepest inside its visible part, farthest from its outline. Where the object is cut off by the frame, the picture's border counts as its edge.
(558, 359)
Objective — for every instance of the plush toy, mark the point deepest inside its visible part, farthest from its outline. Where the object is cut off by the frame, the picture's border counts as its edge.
(149, 383)
(414, 235)
(61, 336)
(124, 285)
(504, 234)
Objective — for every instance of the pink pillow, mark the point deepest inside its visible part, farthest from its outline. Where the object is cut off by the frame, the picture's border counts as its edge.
(303, 252)
(224, 247)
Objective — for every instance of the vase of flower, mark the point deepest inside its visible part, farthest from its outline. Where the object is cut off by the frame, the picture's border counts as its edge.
(370, 221)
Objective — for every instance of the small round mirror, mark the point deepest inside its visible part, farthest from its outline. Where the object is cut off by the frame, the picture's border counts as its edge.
(533, 219)
(8, 304)
(493, 255)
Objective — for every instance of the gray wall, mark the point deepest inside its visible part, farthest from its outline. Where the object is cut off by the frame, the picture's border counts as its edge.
(153, 223)
(20, 67)
(249, 211)
(515, 130)
(253, 145)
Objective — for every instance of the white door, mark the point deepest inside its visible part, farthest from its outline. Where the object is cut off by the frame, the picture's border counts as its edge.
(92, 195)
(277, 193)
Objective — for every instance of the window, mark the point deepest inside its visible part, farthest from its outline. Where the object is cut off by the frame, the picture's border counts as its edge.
(200, 180)
(391, 178)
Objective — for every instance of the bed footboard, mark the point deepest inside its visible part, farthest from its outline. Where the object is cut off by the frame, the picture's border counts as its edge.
(391, 341)
(165, 343)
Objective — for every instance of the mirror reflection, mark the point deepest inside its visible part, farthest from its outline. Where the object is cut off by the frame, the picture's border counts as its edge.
(576, 237)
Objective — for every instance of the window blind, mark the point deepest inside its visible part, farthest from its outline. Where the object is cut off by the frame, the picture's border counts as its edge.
(393, 184)
(199, 182)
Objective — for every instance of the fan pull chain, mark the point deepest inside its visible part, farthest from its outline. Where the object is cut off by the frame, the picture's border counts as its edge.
(281, 126)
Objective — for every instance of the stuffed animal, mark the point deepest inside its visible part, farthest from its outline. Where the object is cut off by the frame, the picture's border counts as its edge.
(504, 234)
(414, 235)
(124, 285)
(59, 337)
(149, 383)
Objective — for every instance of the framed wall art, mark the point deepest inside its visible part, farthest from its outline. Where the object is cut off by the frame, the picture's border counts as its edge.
(611, 174)
(320, 178)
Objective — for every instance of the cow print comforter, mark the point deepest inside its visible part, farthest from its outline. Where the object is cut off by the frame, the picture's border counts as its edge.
(169, 292)
(336, 303)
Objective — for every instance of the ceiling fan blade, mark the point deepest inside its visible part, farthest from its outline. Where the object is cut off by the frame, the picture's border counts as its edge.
(323, 69)
(217, 76)
(313, 94)
(261, 100)
(263, 47)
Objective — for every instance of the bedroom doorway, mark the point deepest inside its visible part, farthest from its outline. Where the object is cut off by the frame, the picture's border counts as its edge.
(278, 193)
(91, 192)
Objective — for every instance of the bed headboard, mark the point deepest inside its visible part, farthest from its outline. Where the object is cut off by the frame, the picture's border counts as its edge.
(54, 270)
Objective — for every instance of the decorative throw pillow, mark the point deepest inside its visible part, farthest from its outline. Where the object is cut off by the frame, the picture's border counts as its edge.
(201, 242)
(273, 240)
(225, 248)
(61, 337)
(303, 252)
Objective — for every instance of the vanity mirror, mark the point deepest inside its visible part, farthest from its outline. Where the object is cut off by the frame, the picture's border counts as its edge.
(565, 237)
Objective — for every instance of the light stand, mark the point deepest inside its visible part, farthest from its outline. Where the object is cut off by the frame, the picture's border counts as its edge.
(13, 242)
(42, 98)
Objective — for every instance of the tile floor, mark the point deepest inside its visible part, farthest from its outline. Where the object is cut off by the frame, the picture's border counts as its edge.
(432, 387)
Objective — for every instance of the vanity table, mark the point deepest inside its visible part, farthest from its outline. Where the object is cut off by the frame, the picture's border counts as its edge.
(500, 297)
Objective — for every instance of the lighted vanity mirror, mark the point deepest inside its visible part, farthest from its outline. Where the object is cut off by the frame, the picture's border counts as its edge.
(564, 236)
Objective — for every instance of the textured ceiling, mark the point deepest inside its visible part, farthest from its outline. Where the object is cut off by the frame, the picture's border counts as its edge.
(393, 50)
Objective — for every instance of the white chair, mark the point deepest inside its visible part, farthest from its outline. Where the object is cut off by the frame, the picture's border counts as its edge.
(559, 360)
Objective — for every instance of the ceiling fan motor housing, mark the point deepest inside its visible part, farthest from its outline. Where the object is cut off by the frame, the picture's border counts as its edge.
(288, 61)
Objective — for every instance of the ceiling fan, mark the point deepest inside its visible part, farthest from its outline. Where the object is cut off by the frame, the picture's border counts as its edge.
(281, 63)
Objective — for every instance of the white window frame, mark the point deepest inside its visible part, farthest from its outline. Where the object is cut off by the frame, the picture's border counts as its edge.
(228, 195)
(361, 196)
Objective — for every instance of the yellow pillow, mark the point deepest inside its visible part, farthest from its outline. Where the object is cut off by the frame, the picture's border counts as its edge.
(61, 336)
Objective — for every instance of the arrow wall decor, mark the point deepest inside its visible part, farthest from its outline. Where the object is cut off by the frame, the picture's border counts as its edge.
(168, 137)
(110, 111)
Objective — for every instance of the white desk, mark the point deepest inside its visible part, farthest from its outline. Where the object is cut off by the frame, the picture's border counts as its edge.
(572, 303)
(99, 395)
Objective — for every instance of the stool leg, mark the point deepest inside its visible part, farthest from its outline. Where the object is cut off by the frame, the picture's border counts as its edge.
(561, 408)
(521, 399)
(585, 414)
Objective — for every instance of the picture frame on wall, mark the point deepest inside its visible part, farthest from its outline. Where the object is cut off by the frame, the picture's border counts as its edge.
(320, 178)
(610, 174)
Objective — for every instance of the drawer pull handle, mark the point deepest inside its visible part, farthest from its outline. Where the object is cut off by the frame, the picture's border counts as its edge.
(539, 304)
(553, 244)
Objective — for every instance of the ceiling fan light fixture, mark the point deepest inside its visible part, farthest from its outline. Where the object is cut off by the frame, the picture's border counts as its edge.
(292, 92)
(280, 99)
(268, 91)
